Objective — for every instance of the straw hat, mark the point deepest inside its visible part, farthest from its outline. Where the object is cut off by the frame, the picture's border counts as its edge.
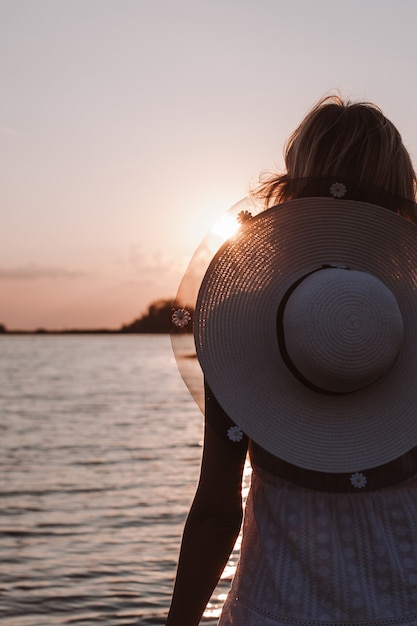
(305, 329)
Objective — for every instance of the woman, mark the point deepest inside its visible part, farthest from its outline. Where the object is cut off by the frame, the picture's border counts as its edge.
(319, 392)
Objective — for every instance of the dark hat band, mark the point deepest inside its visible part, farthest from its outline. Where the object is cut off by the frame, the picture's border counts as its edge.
(360, 481)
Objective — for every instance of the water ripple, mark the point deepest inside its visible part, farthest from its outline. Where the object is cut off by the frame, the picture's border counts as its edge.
(100, 450)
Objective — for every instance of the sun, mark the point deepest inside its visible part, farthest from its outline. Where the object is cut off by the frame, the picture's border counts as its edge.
(225, 227)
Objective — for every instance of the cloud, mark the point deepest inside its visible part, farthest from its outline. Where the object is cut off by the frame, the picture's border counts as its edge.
(5, 130)
(141, 267)
(35, 272)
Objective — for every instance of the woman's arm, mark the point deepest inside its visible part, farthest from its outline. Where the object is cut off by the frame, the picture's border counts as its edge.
(211, 529)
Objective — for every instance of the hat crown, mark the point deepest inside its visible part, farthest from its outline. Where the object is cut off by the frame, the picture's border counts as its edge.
(343, 329)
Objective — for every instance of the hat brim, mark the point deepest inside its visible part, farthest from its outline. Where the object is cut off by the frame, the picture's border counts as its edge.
(236, 339)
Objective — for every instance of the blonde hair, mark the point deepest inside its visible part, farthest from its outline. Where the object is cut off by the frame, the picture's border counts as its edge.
(347, 140)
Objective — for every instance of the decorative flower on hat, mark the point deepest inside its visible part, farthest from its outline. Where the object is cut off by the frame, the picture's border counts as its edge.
(244, 216)
(235, 434)
(338, 190)
(358, 480)
(181, 317)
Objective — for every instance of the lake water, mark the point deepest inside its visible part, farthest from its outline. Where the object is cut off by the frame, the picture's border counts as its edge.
(100, 452)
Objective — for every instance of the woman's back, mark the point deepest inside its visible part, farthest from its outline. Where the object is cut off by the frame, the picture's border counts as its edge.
(311, 557)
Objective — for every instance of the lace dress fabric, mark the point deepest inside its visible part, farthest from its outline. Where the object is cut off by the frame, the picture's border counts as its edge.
(320, 559)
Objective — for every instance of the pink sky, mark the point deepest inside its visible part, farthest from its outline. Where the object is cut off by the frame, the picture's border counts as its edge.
(128, 127)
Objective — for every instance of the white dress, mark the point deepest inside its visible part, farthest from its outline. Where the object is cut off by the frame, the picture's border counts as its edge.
(314, 558)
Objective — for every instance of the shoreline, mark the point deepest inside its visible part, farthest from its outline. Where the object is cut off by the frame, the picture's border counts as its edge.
(91, 331)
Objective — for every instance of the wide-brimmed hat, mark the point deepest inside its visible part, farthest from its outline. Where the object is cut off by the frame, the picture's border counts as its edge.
(306, 331)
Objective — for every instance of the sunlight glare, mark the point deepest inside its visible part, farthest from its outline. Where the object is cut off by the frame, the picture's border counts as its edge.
(226, 226)
(213, 613)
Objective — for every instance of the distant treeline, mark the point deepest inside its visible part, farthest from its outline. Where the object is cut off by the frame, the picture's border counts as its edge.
(156, 319)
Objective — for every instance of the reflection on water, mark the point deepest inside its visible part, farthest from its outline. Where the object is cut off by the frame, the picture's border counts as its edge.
(214, 607)
(100, 454)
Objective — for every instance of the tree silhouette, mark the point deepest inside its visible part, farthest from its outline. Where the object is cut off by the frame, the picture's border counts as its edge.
(157, 319)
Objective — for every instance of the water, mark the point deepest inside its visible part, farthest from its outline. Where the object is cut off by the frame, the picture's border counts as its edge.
(100, 450)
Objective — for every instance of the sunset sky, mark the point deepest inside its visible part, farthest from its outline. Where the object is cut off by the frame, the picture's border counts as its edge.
(127, 127)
